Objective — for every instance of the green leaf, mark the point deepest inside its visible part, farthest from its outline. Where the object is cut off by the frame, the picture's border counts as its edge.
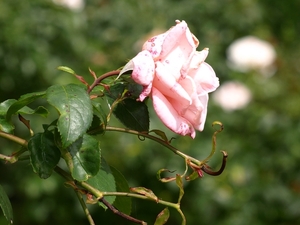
(24, 100)
(146, 192)
(180, 185)
(99, 120)
(6, 206)
(133, 114)
(44, 155)
(160, 134)
(162, 217)
(115, 92)
(164, 179)
(66, 69)
(6, 125)
(85, 157)
(75, 109)
(122, 203)
(192, 176)
(42, 111)
(104, 181)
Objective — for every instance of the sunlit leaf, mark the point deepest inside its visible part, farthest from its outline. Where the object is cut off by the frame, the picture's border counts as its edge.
(44, 155)
(66, 69)
(75, 109)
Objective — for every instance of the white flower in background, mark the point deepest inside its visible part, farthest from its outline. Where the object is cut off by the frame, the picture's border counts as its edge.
(252, 53)
(232, 95)
(75, 5)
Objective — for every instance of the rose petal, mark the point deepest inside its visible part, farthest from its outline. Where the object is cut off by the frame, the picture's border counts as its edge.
(154, 45)
(198, 58)
(179, 36)
(205, 78)
(169, 116)
(145, 93)
(143, 71)
(167, 84)
(196, 113)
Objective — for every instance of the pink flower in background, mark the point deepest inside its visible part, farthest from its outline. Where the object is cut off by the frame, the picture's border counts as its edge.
(176, 78)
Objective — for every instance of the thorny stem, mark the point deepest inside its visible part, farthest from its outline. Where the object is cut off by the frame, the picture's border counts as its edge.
(192, 161)
(128, 194)
(154, 138)
(114, 210)
(159, 201)
(98, 194)
(102, 77)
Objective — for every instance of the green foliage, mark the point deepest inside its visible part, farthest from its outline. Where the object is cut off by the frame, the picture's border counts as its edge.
(104, 181)
(133, 114)
(162, 217)
(75, 109)
(83, 157)
(5, 125)
(23, 101)
(44, 154)
(6, 206)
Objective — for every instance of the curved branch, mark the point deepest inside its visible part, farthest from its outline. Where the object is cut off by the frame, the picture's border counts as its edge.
(216, 173)
(154, 138)
(102, 77)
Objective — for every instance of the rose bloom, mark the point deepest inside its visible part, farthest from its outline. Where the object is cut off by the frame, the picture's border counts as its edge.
(232, 95)
(251, 53)
(176, 78)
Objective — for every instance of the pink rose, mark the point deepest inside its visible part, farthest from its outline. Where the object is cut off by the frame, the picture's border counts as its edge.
(176, 78)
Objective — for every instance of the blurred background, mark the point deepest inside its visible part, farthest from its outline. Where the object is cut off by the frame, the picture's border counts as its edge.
(255, 51)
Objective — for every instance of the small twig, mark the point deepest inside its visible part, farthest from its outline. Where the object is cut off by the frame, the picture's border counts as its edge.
(84, 207)
(216, 173)
(154, 138)
(13, 138)
(214, 140)
(102, 77)
(117, 212)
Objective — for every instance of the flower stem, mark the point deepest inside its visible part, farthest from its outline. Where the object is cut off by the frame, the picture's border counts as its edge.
(102, 77)
(125, 216)
(162, 142)
(158, 201)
